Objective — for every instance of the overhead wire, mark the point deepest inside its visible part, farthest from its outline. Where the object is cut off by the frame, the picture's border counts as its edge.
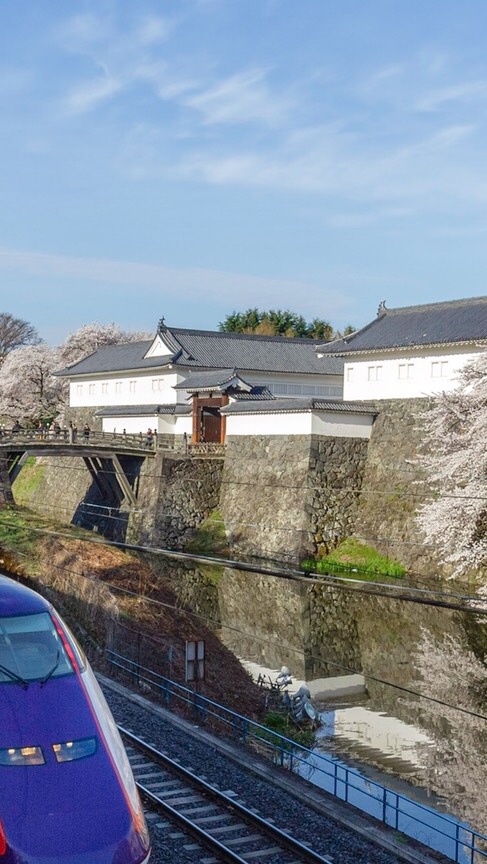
(319, 658)
(360, 586)
(431, 490)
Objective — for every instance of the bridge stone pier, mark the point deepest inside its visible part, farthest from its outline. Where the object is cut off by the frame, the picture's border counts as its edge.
(6, 496)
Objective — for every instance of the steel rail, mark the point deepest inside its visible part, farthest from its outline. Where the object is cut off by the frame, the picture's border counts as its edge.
(266, 829)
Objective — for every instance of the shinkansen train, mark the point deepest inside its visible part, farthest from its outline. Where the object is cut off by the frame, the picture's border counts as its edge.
(67, 793)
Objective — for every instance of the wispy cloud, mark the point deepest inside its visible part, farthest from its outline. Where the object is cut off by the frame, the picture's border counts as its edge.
(241, 98)
(88, 96)
(463, 92)
(332, 161)
(156, 280)
(80, 33)
(153, 30)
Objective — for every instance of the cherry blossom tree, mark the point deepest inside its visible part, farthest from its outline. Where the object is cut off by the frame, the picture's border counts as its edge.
(451, 672)
(90, 337)
(28, 389)
(15, 332)
(455, 459)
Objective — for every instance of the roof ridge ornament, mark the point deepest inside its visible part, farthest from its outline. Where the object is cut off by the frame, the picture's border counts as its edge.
(381, 310)
(161, 327)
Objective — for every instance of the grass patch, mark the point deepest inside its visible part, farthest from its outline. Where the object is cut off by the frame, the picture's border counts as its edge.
(15, 538)
(353, 556)
(282, 725)
(21, 530)
(28, 479)
(209, 538)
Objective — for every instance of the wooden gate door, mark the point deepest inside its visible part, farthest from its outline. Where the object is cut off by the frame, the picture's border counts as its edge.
(212, 422)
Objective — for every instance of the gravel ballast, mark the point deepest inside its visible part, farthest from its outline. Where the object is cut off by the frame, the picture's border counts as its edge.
(327, 836)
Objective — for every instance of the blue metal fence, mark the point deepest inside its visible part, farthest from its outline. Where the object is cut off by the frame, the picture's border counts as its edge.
(436, 830)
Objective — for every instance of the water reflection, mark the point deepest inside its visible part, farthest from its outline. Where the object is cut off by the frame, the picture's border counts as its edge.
(324, 633)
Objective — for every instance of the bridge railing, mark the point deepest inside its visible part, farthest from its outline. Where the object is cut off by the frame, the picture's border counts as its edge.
(120, 440)
(69, 436)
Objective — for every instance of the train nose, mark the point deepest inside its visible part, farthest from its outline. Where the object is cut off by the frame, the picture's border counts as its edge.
(56, 839)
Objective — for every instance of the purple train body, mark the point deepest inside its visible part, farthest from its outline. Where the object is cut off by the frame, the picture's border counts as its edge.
(67, 793)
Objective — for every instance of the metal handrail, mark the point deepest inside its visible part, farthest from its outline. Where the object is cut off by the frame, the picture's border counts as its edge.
(463, 844)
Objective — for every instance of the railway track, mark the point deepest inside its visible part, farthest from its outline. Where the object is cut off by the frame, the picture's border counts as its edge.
(227, 828)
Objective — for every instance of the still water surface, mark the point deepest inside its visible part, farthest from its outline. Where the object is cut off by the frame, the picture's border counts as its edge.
(373, 666)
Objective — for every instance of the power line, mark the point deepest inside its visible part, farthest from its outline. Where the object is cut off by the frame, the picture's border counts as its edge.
(153, 601)
(431, 491)
(327, 580)
(277, 554)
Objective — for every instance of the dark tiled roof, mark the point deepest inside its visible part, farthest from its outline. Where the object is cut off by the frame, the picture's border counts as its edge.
(207, 380)
(455, 321)
(114, 358)
(202, 349)
(280, 406)
(142, 410)
(256, 394)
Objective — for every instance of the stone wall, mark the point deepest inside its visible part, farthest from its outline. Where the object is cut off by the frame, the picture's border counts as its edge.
(394, 486)
(6, 496)
(175, 494)
(59, 486)
(336, 469)
(283, 496)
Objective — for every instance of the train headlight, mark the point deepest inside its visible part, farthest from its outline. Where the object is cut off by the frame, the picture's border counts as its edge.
(69, 750)
(22, 756)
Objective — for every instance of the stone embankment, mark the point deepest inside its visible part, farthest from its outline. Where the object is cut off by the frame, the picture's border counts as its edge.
(286, 496)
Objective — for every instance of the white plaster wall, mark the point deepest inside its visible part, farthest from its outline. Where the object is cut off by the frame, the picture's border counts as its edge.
(165, 424)
(182, 425)
(300, 423)
(132, 425)
(341, 425)
(156, 387)
(386, 382)
(153, 388)
(269, 424)
(301, 385)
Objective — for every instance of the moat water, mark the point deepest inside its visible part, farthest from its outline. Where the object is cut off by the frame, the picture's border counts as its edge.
(401, 688)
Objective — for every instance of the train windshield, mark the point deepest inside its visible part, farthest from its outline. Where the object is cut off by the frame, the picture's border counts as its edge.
(31, 650)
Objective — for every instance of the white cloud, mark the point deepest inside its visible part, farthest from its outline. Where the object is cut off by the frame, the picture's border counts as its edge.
(383, 76)
(241, 98)
(88, 96)
(332, 161)
(465, 92)
(153, 30)
(155, 280)
(81, 32)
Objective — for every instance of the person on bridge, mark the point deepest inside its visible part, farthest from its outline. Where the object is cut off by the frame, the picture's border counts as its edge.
(149, 438)
(16, 428)
(86, 433)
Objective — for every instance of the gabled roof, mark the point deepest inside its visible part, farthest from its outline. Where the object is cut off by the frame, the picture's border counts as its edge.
(205, 349)
(116, 358)
(220, 380)
(432, 324)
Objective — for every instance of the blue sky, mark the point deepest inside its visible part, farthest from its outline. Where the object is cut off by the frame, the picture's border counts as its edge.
(187, 158)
